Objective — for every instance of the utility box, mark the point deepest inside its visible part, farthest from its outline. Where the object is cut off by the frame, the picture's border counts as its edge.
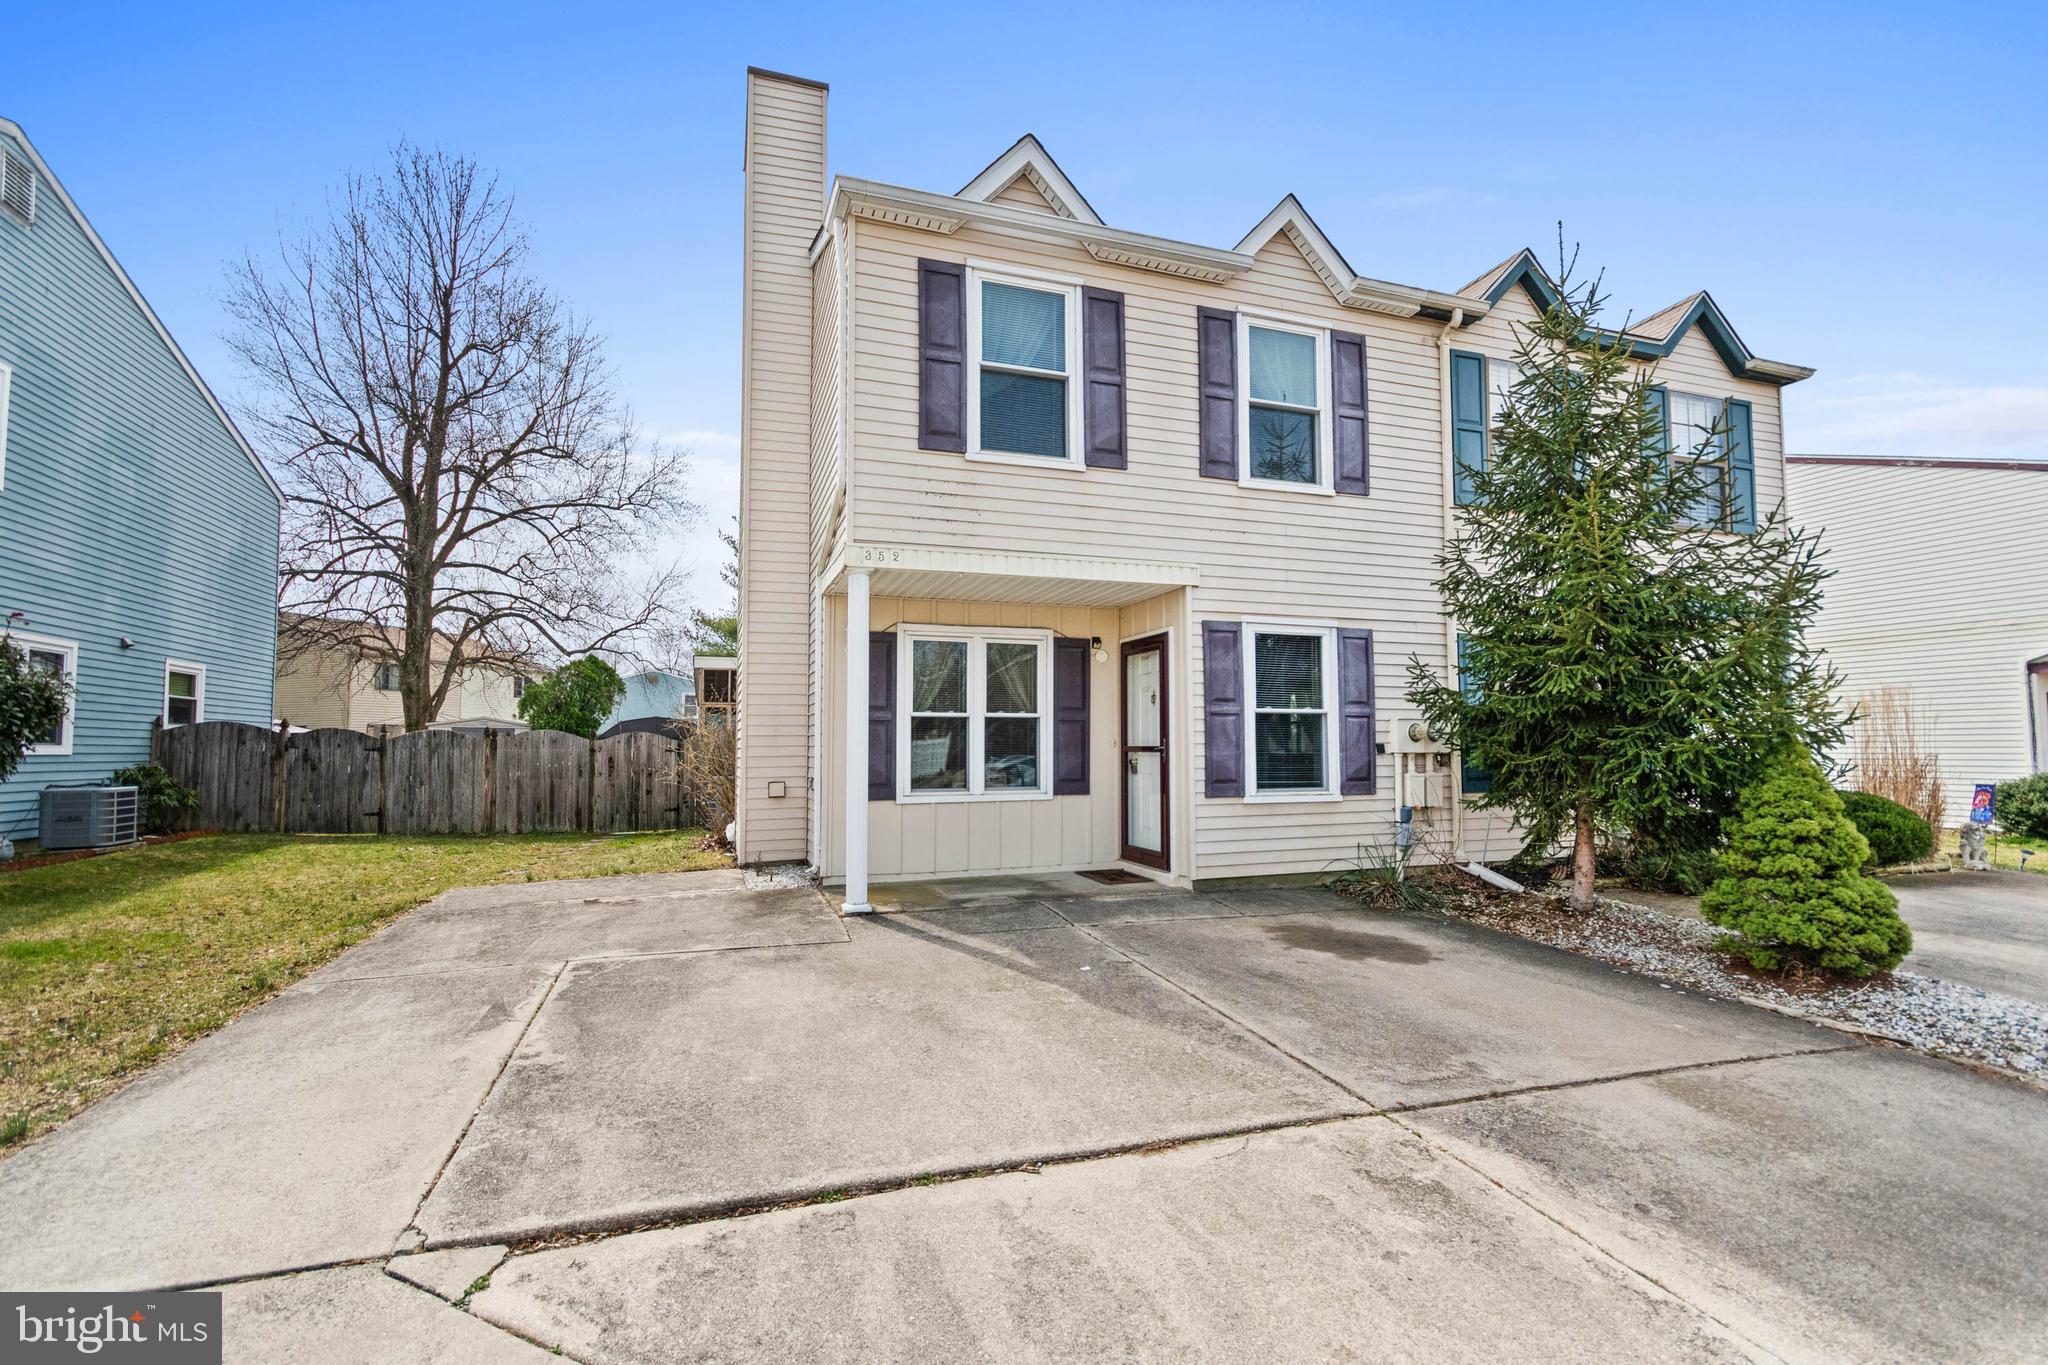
(88, 817)
(1425, 790)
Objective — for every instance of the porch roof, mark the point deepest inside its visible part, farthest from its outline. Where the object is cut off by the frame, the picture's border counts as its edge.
(992, 576)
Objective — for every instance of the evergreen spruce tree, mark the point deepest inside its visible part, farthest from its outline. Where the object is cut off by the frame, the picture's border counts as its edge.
(1625, 669)
(1792, 885)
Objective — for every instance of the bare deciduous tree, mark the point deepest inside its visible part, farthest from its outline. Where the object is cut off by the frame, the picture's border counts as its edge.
(457, 464)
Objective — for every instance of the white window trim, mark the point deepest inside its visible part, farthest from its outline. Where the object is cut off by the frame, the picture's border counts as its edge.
(198, 672)
(1329, 791)
(6, 389)
(977, 637)
(979, 273)
(69, 649)
(1686, 447)
(1271, 322)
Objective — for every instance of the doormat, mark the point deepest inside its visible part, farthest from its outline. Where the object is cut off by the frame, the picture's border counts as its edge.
(1114, 876)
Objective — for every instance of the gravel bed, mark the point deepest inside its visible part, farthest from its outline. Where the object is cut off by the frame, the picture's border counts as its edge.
(1924, 1012)
(780, 876)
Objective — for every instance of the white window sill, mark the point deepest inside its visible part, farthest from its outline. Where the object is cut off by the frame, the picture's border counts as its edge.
(1283, 486)
(48, 751)
(1290, 797)
(967, 798)
(1066, 462)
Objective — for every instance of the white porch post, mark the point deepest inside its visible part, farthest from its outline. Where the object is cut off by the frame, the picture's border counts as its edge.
(857, 743)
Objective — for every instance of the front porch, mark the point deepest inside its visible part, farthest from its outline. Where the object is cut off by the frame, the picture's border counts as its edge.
(984, 705)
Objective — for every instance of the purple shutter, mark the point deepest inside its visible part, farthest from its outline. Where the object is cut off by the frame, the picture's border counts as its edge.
(1357, 730)
(1216, 363)
(941, 356)
(882, 715)
(1070, 717)
(1223, 707)
(1102, 372)
(1349, 439)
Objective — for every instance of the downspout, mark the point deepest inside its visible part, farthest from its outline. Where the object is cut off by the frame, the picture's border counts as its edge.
(1455, 778)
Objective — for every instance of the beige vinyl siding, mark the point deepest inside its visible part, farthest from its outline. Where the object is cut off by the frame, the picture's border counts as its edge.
(927, 839)
(1021, 193)
(785, 187)
(312, 691)
(1938, 589)
(1262, 553)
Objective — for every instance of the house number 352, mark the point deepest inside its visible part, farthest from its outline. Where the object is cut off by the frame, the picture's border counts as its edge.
(880, 554)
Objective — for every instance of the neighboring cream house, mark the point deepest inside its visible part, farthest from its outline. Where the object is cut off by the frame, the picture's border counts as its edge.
(334, 685)
(1077, 547)
(1940, 588)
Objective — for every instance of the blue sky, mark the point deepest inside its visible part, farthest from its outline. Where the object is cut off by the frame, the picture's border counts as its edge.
(1861, 186)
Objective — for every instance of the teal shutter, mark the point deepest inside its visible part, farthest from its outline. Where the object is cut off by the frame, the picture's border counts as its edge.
(1741, 468)
(1473, 779)
(1660, 412)
(1468, 422)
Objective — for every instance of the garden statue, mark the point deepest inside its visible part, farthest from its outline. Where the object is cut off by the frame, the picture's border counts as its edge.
(1974, 859)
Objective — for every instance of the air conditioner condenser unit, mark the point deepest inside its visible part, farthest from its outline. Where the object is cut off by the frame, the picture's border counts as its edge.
(88, 817)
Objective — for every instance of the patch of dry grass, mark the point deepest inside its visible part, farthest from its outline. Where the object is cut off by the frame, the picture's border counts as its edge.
(110, 964)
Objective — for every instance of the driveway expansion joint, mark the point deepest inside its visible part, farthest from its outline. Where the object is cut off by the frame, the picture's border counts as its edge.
(1511, 1092)
(570, 1234)
(412, 1229)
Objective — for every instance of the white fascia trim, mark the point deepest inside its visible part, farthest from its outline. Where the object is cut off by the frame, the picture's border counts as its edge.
(1028, 157)
(1350, 289)
(13, 129)
(947, 214)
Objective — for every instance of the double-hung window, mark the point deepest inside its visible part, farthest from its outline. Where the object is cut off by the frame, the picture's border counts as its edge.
(1024, 404)
(184, 693)
(61, 658)
(1284, 426)
(1501, 378)
(1698, 431)
(979, 723)
(1291, 668)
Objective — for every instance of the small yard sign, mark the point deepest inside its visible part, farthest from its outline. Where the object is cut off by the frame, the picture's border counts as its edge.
(1981, 805)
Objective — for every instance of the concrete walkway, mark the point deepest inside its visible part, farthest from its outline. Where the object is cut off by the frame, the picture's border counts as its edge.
(1136, 1124)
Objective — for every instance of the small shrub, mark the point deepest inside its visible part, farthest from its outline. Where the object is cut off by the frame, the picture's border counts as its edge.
(710, 768)
(1895, 834)
(1378, 878)
(164, 798)
(2022, 806)
(1792, 885)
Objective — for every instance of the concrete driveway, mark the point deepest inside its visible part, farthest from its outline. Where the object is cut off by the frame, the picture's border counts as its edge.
(662, 1118)
(1985, 929)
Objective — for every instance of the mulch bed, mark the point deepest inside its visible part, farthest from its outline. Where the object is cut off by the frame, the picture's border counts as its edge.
(72, 855)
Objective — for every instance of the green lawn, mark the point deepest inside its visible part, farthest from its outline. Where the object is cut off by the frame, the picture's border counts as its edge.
(2004, 850)
(109, 964)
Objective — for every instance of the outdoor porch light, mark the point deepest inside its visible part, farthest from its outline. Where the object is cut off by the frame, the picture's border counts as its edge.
(1101, 654)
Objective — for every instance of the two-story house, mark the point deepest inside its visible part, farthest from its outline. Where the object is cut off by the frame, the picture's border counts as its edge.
(1066, 546)
(138, 530)
(347, 678)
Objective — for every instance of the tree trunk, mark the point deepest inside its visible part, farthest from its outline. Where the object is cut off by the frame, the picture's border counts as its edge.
(1582, 857)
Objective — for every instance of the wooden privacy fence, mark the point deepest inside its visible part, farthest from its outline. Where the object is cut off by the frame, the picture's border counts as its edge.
(426, 782)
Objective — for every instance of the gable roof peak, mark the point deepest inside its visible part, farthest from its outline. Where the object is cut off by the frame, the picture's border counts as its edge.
(1291, 219)
(1027, 158)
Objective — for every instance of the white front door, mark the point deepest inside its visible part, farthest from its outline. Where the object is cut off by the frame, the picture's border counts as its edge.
(1145, 751)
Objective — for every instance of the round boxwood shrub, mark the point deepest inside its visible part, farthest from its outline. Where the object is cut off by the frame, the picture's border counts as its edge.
(2022, 806)
(1792, 885)
(1895, 834)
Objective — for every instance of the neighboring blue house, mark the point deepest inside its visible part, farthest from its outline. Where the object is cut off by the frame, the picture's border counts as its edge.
(138, 530)
(652, 697)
